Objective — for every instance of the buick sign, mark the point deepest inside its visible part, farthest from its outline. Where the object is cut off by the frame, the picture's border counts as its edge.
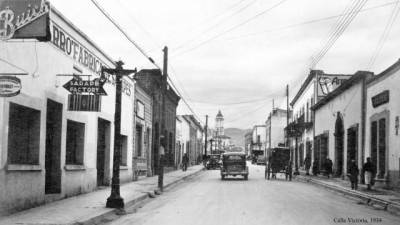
(9, 86)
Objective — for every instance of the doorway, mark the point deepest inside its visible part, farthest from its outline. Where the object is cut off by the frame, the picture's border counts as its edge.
(103, 151)
(352, 145)
(339, 141)
(53, 147)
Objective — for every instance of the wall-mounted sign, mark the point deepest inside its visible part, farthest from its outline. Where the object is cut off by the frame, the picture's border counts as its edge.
(24, 19)
(78, 86)
(327, 83)
(380, 98)
(140, 109)
(9, 86)
(91, 103)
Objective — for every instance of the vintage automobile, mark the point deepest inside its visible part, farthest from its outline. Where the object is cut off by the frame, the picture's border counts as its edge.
(278, 161)
(234, 164)
(213, 161)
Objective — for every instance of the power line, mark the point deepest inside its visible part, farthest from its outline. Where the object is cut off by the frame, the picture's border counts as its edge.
(142, 51)
(232, 28)
(216, 24)
(385, 34)
(123, 32)
(307, 22)
(339, 29)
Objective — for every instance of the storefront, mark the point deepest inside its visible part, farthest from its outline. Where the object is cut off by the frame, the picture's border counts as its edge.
(339, 125)
(55, 142)
(143, 123)
(382, 125)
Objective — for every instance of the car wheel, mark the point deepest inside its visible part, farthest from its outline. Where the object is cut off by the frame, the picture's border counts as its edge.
(246, 177)
(222, 177)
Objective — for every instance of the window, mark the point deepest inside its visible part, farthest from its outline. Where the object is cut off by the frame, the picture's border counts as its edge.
(23, 135)
(138, 141)
(124, 150)
(75, 142)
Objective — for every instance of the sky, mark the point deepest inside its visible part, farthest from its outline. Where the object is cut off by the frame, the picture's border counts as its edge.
(237, 56)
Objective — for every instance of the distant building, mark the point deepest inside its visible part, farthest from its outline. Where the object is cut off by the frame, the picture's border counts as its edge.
(151, 80)
(259, 136)
(247, 142)
(275, 124)
(221, 142)
(195, 144)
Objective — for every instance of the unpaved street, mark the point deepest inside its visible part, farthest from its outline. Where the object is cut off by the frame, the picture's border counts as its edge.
(208, 200)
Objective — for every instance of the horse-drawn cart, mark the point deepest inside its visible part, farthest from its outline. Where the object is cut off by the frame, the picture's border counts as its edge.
(278, 161)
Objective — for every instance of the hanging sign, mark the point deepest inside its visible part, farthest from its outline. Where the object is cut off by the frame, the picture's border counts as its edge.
(9, 86)
(78, 86)
(328, 82)
(24, 19)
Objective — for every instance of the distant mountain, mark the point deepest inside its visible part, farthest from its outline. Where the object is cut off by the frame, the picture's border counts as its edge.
(236, 135)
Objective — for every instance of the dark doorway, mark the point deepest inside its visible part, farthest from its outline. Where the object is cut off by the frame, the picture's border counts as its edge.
(352, 145)
(53, 147)
(103, 150)
(339, 141)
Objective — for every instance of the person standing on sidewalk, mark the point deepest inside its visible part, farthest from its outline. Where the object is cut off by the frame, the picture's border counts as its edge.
(307, 163)
(353, 174)
(328, 166)
(315, 170)
(185, 161)
(369, 172)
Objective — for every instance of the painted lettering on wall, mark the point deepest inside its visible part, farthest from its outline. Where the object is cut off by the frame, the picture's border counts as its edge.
(328, 83)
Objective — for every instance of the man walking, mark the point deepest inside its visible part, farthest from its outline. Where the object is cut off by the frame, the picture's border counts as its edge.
(353, 174)
(185, 161)
(369, 172)
(307, 163)
(328, 166)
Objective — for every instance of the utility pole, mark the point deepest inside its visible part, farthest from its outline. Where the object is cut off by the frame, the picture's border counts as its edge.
(115, 200)
(205, 141)
(287, 115)
(164, 84)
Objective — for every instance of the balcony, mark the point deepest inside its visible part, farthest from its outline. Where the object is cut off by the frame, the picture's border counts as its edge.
(297, 127)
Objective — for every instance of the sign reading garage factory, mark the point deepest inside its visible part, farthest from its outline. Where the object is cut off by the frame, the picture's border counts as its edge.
(380, 98)
(78, 86)
(24, 19)
(9, 86)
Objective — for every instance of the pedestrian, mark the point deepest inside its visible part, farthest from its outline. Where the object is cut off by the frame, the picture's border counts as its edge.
(369, 171)
(353, 174)
(185, 161)
(288, 171)
(328, 166)
(315, 170)
(307, 163)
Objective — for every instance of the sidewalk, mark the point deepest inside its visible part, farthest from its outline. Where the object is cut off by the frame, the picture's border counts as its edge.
(90, 208)
(377, 197)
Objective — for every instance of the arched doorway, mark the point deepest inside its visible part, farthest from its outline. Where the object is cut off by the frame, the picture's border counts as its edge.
(339, 141)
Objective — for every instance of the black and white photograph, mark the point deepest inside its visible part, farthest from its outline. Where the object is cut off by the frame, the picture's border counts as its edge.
(200, 112)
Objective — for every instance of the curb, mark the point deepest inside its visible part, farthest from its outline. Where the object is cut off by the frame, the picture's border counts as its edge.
(389, 206)
(113, 213)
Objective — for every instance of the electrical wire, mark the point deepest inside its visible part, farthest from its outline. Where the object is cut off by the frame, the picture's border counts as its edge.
(385, 34)
(143, 52)
(13, 65)
(306, 22)
(352, 9)
(215, 25)
(230, 29)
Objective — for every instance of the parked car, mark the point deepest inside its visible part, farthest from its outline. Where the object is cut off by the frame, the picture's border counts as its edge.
(261, 160)
(234, 164)
(213, 161)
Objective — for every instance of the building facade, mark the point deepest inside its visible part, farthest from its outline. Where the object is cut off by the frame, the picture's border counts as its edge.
(51, 146)
(259, 138)
(339, 125)
(275, 124)
(382, 125)
(165, 101)
(247, 143)
(142, 162)
(195, 146)
(301, 127)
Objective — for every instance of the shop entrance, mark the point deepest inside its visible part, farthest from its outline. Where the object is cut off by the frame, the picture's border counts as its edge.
(339, 139)
(103, 151)
(53, 147)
